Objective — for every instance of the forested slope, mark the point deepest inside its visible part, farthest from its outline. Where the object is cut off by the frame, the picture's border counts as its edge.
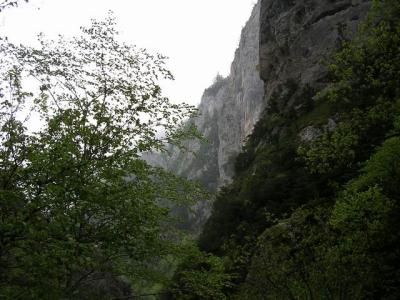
(313, 211)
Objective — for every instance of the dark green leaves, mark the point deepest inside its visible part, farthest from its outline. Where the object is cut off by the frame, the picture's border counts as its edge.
(79, 209)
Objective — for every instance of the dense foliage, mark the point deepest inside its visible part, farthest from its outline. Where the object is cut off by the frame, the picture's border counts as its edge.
(317, 217)
(82, 216)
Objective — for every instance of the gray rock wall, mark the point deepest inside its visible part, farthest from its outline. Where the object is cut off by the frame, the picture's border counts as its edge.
(283, 41)
(297, 35)
(228, 111)
(243, 103)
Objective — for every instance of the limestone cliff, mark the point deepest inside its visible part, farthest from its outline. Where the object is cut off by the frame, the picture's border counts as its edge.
(296, 36)
(228, 111)
(284, 42)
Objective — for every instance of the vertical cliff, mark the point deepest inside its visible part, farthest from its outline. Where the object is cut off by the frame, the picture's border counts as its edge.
(295, 221)
(228, 110)
(297, 36)
(297, 39)
(283, 41)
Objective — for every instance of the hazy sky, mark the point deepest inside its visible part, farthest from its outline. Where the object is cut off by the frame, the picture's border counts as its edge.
(199, 36)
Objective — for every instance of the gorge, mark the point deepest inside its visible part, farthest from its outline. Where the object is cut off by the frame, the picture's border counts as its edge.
(297, 164)
(289, 188)
(282, 43)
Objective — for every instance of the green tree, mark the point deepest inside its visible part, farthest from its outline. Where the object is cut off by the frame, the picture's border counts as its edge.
(200, 276)
(367, 217)
(78, 205)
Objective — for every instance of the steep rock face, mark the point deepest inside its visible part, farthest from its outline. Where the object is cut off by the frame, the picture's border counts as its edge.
(243, 104)
(297, 35)
(228, 111)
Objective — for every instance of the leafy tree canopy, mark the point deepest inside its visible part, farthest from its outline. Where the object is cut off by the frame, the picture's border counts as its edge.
(79, 208)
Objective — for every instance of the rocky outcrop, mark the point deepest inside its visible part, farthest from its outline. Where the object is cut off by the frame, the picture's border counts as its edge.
(228, 111)
(297, 35)
(310, 133)
(285, 42)
(243, 104)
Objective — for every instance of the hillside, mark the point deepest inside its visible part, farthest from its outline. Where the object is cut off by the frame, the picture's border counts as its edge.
(312, 211)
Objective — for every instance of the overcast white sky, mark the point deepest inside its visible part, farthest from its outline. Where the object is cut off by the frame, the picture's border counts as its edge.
(199, 36)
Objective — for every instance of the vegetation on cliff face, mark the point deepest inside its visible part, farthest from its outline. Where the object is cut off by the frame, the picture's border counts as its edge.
(312, 213)
(319, 218)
